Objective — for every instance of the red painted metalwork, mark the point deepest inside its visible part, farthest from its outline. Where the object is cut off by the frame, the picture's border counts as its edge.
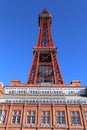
(45, 67)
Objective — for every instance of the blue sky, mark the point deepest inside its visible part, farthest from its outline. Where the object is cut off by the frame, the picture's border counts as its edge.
(19, 31)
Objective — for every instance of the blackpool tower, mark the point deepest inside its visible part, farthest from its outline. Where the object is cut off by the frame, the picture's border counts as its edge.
(45, 67)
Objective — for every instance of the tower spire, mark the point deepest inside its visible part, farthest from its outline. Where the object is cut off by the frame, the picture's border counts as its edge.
(45, 67)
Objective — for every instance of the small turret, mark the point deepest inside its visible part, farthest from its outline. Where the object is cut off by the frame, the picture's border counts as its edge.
(45, 15)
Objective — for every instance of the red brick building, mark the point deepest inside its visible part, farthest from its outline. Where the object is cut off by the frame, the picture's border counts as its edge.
(44, 102)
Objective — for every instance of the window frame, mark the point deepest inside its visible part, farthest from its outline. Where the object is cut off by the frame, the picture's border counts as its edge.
(45, 118)
(85, 113)
(16, 117)
(75, 118)
(3, 116)
(60, 117)
(31, 116)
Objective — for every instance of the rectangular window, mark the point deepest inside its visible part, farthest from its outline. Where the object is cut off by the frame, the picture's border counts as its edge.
(2, 116)
(45, 117)
(75, 118)
(86, 116)
(16, 116)
(60, 117)
(31, 117)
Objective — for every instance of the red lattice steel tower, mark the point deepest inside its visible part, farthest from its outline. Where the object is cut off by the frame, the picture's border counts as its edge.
(45, 67)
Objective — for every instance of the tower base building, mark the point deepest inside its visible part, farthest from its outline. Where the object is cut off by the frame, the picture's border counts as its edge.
(44, 102)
